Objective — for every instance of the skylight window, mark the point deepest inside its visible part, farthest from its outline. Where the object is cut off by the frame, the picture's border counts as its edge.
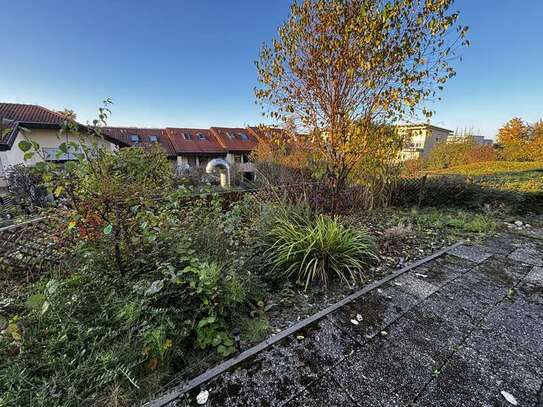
(134, 138)
(153, 139)
(187, 136)
(201, 136)
(243, 136)
(230, 135)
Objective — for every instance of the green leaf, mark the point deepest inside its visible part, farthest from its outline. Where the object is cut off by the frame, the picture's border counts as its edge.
(108, 229)
(217, 341)
(28, 156)
(58, 191)
(25, 145)
(51, 287)
(206, 321)
(13, 330)
(45, 307)
(155, 287)
(35, 301)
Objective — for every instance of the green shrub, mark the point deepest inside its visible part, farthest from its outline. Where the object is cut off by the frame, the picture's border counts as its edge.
(92, 334)
(313, 249)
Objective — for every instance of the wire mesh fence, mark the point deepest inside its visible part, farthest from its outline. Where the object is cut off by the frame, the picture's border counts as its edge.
(37, 244)
(31, 246)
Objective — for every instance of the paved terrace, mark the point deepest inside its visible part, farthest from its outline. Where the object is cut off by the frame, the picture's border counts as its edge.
(456, 331)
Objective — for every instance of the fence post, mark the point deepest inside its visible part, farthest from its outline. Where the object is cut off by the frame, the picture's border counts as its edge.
(421, 192)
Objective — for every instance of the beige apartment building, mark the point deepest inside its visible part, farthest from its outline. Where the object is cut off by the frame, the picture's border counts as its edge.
(422, 138)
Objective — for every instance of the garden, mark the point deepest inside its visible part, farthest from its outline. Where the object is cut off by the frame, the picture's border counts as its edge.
(150, 280)
(125, 281)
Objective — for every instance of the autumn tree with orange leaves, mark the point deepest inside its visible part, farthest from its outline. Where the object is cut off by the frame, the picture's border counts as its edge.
(521, 141)
(346, 69)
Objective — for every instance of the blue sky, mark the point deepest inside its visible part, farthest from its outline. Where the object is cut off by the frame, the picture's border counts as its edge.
(190, 63)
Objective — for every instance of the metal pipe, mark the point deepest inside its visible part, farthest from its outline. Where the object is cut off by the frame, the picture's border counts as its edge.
(223, 166)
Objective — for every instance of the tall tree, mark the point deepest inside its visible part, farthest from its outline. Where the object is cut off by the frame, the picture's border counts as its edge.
(514, 138)
(69, 114)
(344, 68)
(536, 141)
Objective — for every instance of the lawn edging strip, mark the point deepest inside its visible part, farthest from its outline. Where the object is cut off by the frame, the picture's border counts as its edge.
(180, 390)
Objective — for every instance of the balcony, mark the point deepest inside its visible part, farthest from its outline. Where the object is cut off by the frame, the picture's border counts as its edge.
(245, 167)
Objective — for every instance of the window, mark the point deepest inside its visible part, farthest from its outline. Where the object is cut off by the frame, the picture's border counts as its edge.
(191, 161)
(201, 136)
(153, 139)
(245, 158)
(244, 136)
(187, 136)
(134, 138)
(203, 161)
(54, 154)
(230, 135)
(237, 159)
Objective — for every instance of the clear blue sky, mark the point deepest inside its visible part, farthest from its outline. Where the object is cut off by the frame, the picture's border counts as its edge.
(190, 63)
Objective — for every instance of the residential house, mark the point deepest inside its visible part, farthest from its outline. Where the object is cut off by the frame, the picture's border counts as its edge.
(141, 137)
(422, 138)
(36, 123)
(237, 144)
(194, 148)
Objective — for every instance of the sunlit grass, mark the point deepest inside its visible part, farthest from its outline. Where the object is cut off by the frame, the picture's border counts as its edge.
(491, 168)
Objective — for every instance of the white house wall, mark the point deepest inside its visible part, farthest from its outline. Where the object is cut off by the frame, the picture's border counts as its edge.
(46, 138)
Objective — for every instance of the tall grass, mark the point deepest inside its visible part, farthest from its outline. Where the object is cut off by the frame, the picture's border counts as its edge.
(312, 249)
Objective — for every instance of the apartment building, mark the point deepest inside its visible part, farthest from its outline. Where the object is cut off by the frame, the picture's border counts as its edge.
(422, 138)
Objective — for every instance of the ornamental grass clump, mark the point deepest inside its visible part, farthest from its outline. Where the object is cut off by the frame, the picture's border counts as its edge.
(313, 250)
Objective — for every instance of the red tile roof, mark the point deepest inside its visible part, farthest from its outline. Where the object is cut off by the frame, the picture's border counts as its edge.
(123, 134)
(30, 114)
(189, 141)
(235, 139)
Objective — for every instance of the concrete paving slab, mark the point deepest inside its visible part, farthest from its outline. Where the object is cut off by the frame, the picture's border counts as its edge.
(475, 253)
(531, 289)
(530, 255)
(425, 334)
(504, 243)
(460, 306)
(443, 270)
(469, 380)
(495, 277)
(362, 375)
(368, 316)
(517, 325)
(415, 283)
(325, 392)
(322, 345)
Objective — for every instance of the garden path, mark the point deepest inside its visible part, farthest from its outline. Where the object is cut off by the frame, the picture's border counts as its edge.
(465, 329)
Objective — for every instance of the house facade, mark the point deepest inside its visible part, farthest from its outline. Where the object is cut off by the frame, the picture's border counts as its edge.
(35, 123)
(189, 148)
(421, 139)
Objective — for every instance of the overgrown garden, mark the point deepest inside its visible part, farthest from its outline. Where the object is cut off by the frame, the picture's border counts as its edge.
(153, 279)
